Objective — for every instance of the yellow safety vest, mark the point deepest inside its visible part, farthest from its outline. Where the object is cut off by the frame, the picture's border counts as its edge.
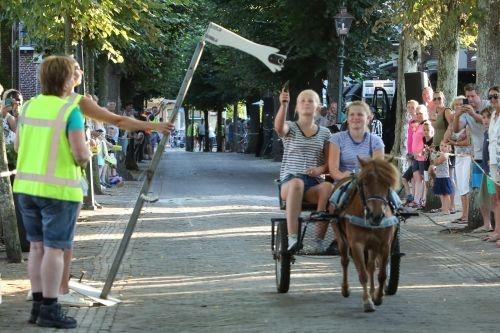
(156, 119)
(45, 165)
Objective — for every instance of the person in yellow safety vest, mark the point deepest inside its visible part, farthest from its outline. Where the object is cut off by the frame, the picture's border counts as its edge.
(51, 152)
(51, 83)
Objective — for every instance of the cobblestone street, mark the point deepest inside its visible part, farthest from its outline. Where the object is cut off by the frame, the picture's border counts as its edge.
(200, 261)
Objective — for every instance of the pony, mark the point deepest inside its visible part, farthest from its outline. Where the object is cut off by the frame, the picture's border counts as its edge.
(358, 226)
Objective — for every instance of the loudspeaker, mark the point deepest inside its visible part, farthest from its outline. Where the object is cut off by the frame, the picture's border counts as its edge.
(415, 82)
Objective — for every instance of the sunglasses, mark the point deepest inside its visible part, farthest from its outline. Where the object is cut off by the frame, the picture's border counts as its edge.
(437, 98)
(495, 96)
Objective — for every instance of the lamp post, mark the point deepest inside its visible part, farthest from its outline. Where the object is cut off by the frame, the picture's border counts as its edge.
(343, 22)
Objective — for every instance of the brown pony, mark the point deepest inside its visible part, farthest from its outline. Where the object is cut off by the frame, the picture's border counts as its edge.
(369, 247)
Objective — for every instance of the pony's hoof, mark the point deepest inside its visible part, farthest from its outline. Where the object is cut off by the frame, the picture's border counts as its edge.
(377, 302)
(368, 306)
(346, 292)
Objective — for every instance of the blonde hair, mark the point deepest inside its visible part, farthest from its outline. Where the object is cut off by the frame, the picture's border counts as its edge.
(458, 98)
(313, 94)
(412, 102)
(56, 72)
(310, 92)
(424, 111)
(441, 94)
(362, 105)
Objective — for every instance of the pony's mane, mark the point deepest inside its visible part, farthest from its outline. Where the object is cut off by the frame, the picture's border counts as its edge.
(383, 169)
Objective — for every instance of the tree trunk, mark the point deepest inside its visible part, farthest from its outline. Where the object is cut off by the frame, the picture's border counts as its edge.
(103, 80)
(268, 127)
(235, 143)
(89, 69)
(475, 217)
(220, 131)
(68, 35)
(253, 112)
(432, 201)
(333, 86)
(488, 46)
(7, 210)
(409, 57)
(207, 138)
(448, 46)
(189, 130)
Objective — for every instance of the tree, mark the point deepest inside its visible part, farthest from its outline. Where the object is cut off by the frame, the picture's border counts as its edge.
(8, 219)
(488, 45)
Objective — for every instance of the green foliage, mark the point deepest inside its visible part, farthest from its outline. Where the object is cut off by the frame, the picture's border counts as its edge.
(426, 17)
(106, 24)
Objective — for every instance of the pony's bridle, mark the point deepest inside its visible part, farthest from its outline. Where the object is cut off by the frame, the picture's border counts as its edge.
(368, 214)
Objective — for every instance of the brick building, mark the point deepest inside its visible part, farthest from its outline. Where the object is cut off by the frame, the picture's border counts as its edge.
(18, 65)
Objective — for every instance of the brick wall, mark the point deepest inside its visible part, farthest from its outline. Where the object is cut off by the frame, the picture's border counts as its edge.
(28, 78)
(5, 55)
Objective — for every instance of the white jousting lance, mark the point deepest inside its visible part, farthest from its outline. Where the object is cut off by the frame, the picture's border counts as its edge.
(217, 35)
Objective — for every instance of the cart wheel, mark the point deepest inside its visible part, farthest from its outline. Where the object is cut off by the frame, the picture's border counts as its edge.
(393, 267)
(282, 261)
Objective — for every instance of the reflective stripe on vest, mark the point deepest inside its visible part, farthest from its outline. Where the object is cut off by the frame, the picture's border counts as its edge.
(58, 126)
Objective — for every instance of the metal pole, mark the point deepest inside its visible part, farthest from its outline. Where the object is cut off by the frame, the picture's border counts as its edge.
(150, 174)
(340, 108)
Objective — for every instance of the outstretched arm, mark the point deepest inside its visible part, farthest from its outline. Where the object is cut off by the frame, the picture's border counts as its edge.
(94, 111)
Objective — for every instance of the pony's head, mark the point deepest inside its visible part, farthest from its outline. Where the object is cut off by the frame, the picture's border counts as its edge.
(375, 180)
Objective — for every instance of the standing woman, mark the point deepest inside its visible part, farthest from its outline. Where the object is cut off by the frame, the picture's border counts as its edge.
(494, 155)
(441, 118)
(304, 161)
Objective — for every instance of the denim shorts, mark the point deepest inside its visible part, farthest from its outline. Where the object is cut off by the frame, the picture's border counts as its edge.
(308, 180)
(418, 166)
(49, 221)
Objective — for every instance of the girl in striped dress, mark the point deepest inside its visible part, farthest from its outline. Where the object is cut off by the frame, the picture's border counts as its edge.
(304, 160)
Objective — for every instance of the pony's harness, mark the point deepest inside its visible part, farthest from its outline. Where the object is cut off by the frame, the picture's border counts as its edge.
(348, 191)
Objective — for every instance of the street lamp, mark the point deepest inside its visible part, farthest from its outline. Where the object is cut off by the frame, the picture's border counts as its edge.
(343, 22)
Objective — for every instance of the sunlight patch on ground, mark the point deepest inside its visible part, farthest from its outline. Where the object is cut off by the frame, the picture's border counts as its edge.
(214, 233)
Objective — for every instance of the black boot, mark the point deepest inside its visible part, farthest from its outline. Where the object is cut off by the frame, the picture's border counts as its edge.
(53, 316)
(35, 311)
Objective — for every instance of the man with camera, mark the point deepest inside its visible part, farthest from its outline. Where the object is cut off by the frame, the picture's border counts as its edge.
(469, 115)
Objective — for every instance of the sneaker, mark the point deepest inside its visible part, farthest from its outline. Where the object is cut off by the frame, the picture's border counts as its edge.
(35, 311)
(53, 316)
(73, 299)
(293, 243)
(29, 297)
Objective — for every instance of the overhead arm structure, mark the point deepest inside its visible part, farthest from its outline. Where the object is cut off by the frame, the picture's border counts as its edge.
(216, 35)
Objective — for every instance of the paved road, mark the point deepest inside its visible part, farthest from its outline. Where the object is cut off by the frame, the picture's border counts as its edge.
(200, 262)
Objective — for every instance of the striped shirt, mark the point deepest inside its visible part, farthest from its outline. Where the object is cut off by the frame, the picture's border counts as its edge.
(350, 149)
(302, 152)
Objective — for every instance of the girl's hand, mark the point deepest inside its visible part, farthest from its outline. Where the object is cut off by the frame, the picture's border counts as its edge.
(284, 97)
(314, 172)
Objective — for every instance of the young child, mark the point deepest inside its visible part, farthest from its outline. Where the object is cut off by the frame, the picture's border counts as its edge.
(442, 184)
(411, 107)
